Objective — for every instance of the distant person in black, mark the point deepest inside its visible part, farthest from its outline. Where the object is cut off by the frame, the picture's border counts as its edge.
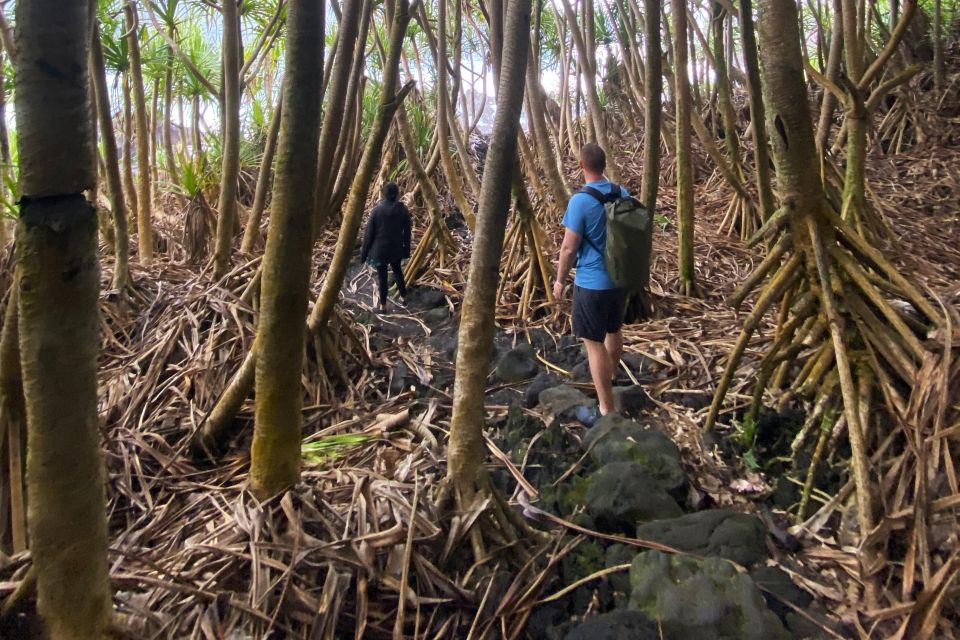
(387, 240)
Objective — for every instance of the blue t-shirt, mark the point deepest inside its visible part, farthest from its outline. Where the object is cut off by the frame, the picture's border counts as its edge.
(585, 216)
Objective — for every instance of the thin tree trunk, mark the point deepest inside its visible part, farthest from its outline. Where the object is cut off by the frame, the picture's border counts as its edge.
(654, 106)
(477, 324)
(128, 126)
(443, 125)
(59, 286)
(757, 116)
(593, 99)
(541, 138)
(275, 454)
(252, 230)
(144, 198)
(684, 162)
(938, 66)
(121, 240)
(336, 103)
(230, 172)
(172, 174)
(834, 59)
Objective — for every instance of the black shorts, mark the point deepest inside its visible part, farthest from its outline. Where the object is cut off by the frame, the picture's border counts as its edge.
(597, 312)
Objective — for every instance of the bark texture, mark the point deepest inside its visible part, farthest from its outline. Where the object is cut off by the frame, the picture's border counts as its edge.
(275, 454)
(59, 284)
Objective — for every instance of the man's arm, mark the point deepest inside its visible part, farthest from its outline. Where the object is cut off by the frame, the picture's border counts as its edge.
(568, 254)
(368, 235)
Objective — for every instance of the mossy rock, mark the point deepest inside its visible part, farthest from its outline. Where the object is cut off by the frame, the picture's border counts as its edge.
(617, 439)
(621, 495)
(701, 599)
(562, 401)
(517, 365)
(616, 625)
(715, 532)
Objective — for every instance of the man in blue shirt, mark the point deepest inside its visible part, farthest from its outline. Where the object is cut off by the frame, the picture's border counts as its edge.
(598, 304)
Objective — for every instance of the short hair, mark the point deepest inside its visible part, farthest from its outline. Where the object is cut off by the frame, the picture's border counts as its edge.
(593, 157)
(391, 191)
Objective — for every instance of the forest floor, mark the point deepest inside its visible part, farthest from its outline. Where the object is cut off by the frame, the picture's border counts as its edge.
(361, 544)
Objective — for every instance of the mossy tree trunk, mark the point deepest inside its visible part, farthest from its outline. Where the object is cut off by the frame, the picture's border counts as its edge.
(144, 197)
(275, 454)
(121, 239)
(477, 324)
(59, 285)
(230, 168)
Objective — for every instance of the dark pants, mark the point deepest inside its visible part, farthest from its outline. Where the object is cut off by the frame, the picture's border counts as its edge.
(397, 276)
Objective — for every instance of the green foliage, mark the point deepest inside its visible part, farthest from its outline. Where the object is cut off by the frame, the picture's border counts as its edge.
(332, 447)
(10, 174)
(195, 175)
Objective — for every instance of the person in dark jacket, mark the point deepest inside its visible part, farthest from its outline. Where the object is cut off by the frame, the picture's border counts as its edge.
(386, 240)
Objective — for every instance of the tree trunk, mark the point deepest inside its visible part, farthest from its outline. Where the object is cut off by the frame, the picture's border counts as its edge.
(834, 58)
(465, 453)
(593, 99)
(128, 183)
(59, 286)
(443, 126)
(121, 240)
(938, 66)
(172, 174)
(757, 116)
(549, 160)
(252, 230)
(144, 198)
(653, 113)
(230, 172)
(684, 162)
(336, 103)
(275, 454)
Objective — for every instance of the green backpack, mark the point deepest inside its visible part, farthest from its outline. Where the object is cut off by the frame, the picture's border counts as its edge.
(629, 238)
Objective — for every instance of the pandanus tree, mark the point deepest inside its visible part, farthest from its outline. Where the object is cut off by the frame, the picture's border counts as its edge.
(477, 323)
(230, 169)
(58, 289)
(832, 286)
(143, 136)
(682, 103)
(275, 453)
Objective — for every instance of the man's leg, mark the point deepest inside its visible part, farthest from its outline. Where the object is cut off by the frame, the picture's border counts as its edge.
(382, 282)
(601, 370)
(614, 347)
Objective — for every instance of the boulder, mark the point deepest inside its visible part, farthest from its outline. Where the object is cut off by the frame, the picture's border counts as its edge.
(544, 380)
(517, 365)
(631, 400)
(622, 494)
(425, 298)
(562, 401)
(620, 554)
(715, 532)
(701, 599)
(436, 316)
(617, 439)
(779, 591)
(616, 625)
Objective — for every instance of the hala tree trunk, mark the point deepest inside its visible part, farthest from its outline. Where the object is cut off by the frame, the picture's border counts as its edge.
(590, 76)
(938, 68)
(390, 101)
(336, 102)
(639, 302)
(230, 171)
(684, 163)
(275, 454)
(834, 58)
(477, 324)
(121, 240)
(832, 286)
(144, 198)
(252, 230)
(172, 175)
(443, 124)
(757, 117)
(59, 283)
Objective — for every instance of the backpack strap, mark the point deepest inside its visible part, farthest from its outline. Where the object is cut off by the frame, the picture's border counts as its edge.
(599, 196)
